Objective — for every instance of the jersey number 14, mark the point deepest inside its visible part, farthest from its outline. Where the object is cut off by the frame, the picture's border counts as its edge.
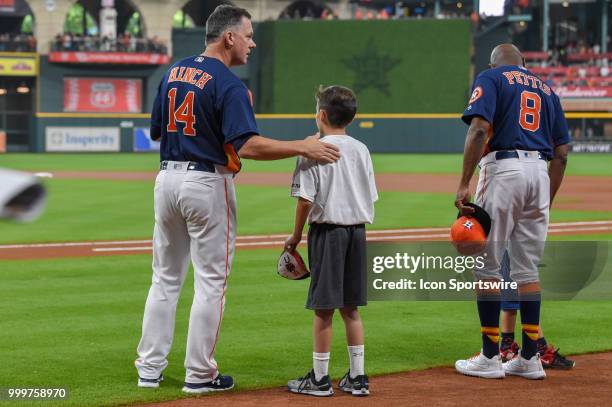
(184, 113)
(531, 104)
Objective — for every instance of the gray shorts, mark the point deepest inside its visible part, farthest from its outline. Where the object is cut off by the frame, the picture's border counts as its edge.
(338, 271)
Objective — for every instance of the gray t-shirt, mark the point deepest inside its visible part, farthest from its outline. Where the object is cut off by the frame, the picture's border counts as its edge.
(342, 193)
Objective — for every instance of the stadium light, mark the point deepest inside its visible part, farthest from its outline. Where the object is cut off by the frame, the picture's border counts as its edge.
(2, 91)
(491, 8)
(23, 89)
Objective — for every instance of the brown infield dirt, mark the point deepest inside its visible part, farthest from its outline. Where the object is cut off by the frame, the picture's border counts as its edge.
(580, 193)
(588, 384)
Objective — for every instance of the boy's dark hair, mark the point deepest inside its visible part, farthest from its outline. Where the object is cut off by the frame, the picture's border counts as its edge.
(225, 16)
(339, 103)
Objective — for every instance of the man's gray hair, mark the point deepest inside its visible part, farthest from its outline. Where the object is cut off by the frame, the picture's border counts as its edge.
(224, 17)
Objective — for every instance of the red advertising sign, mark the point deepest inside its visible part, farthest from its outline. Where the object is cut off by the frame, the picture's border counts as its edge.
(133, 58)
(584, 92)
(7, 5)
(102, 95)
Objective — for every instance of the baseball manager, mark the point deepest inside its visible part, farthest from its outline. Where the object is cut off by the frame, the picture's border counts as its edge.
(204, 117)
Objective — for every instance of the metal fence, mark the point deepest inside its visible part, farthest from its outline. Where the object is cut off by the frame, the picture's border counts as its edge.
(95, 43)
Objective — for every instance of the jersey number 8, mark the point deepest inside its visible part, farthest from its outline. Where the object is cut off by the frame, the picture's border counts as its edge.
(184, 113)
(530, 111)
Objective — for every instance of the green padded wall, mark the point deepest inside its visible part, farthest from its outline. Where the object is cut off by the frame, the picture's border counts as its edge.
(414, 66)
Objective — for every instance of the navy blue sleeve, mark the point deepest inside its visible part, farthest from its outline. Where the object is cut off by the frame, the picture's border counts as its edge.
(560, 131)
(240, 141)
(156, 116)
(483, 100)
(238, 117)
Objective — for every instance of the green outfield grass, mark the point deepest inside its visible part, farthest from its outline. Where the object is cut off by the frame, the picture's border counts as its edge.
(76, 323)
(579, 164)
(106, 210)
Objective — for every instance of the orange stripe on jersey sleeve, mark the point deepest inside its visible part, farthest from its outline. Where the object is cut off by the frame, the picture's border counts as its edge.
(233, 160)
(250, 96)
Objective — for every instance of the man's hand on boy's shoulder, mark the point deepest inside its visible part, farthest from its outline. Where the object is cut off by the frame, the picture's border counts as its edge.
(322, 152)
(292, 242)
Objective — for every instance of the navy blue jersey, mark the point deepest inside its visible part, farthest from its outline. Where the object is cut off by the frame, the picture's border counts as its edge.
(524, 112)
(203, 112)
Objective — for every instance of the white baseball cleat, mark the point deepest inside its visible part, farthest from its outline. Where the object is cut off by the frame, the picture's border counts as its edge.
(481, 366)
(529, 369)
(150, 383)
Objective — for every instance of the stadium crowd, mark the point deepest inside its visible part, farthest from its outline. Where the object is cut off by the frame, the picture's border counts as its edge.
(94, 43)
(377, 12)
(574, 64)
(17, 42)
(578, 67)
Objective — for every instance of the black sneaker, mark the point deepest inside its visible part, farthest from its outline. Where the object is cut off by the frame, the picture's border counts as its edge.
(358, 386)
(552, 359)
(309, 385)
(219, 383)
(150, 383)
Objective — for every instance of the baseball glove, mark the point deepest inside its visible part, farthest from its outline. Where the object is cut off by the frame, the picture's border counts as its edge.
(291, 266)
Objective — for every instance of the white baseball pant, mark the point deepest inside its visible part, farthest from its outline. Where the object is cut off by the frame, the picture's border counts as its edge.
(195, 213)
(516, 194)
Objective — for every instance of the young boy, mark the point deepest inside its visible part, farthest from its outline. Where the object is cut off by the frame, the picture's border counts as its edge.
(338, 200)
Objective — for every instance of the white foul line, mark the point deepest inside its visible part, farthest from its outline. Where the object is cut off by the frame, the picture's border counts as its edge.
(121, 249)
(580, 229)
(595, 222)
(374, 235)
(71, 244)
(370, 239)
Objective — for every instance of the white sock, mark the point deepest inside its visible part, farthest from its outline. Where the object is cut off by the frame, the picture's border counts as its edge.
(320, 364)
(356, 360)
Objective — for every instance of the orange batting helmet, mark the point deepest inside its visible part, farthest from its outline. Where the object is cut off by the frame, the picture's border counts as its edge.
(469, 233)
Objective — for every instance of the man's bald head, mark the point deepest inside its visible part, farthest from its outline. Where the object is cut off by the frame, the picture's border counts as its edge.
(506, 54)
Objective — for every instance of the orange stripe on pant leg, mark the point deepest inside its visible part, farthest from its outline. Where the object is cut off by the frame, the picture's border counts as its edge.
(480, 199)
(484, 187)
(227, 238)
